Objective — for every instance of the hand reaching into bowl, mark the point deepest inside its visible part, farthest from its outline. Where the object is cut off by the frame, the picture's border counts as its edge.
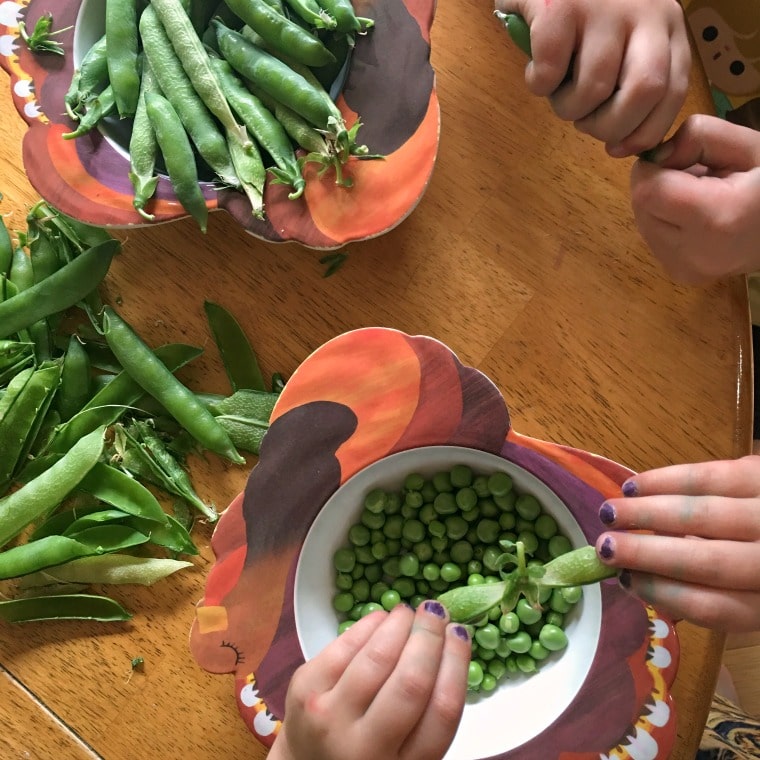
(392, 686)
(702, 560)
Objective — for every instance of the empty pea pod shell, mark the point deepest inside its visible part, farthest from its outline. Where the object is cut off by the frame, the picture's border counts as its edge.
(62, 607)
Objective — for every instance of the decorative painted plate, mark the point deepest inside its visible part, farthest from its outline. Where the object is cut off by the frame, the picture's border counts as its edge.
(360, 402)
(390, 85)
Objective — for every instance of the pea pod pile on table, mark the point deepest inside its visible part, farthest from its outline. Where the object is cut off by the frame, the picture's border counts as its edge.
(94, 424)
(244, 89)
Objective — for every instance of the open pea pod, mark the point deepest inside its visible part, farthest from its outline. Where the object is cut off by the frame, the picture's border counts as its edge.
(101, 539)
(23, 418)
(468, 603)
(576, 568)
(61, 523)
(62, 607)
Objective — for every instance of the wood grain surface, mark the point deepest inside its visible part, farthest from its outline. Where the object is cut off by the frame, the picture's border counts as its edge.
(522, 256)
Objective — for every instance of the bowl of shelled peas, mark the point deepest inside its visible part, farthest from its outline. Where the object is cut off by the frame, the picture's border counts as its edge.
(495, 544)
(294, 116)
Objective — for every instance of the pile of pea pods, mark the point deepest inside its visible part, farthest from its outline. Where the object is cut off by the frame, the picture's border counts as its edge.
(94, 427)
(235, 87)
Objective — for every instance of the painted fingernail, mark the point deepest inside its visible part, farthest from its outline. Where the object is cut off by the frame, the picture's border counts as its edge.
(624, 579)
(607, 514)
(461, 632)
(607, 550)
(434, 608)
(629, 488)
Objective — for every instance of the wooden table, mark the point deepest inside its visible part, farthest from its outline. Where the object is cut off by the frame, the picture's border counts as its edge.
(522, 257)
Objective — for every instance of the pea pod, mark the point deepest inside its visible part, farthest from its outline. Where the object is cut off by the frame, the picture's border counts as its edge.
(98, 108)
(312, 13)
(281, 33)
(178, 156)
(143, 147)
(6, 248)
(469, 603)
(576, 568)
(110, 403)
(89, 79)
(74, 391)
(37, 555)
(62, 607)
(108, 568)
(23, 419)
(175, 85)
(518, 30)
(100, 539)
(122, 53)
(238, 357)
(59, 291)
(40, 496)
(155, 378)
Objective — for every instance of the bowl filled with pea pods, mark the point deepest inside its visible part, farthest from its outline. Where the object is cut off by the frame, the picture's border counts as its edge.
(294, 116)
(405, 481)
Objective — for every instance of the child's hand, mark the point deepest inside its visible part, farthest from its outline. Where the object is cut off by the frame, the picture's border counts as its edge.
(713, 582)
(630, 63)
(392, 686)
(697, 204)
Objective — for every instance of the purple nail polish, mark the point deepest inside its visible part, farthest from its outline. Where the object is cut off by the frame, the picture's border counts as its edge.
(607, 514)
(624, 579)
(434, 608)
(629, 488)
(461, 631)
(606, 549)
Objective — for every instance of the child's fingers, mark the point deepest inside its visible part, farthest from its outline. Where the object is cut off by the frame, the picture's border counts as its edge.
(715, 563)
(373, 664)
(714, 608)
(434, 733)
(704, 516)
(739, 478)
(323, 672)
(404, 696)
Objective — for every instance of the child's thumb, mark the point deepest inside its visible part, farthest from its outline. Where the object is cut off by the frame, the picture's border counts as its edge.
(714, 143)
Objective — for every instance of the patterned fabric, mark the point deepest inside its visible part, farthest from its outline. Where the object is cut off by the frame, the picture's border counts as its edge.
(730, 734)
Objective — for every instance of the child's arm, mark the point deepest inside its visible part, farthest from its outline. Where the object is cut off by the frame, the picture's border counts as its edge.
(630, 62)
(391, 687)
(702, 563)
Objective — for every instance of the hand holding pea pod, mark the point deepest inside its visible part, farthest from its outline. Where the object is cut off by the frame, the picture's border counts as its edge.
(576, 568)
(629, 65)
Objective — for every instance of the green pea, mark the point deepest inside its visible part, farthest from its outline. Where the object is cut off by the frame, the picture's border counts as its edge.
(474, 674)
(450, 572)
(571, 594)
(488, 531)
(466, 499)
(503, 650)
(377, 590)
(507, 521)
(372, 520)
(429, 492)
(488, 508)
(413, 531)
(538, 651)
(526, 663)
(409, 565)
(474, 567)
(442, 482)
(370, 607)
(460, 476)
(380, 551)
(485, 656)
(408, 512)
(506, 503)
(559, 545)
(529, 540)
(488, 636)
(509, 622)
(345, 625)
(413, 499)
(359, 535)
(392, 503)
(471, 515)
(344, 582)
(554, 618)
(546, 527)
(488, 683)
(497, 668)
(427, 514)
(355, 612)
(475, 579)
(456, 527)
(358, 571)
(461, 552)
(422, 586)
(416, 600)
(436, 529)
(374, 572)
(528, 506)
(431, 572)
(414, 482)
(526, 613)
(394, 547)
(499, 484)
(360, 590)
(405, 587)
(423, 550)
(441, 557)
(445, 504)
(491, 556)
(375, 500)
(343, 601)
(439, 585)
(393, 527)
(558, 603)
(364, 555)
(519, 642)
(390, 599)
(552, 637)
(480, 486)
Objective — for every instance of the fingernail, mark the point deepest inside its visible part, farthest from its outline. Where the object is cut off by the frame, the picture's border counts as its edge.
(434, 608)
(624, 579)
(629, 488)
(607, 514)
(461, 632)
(607, 550)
